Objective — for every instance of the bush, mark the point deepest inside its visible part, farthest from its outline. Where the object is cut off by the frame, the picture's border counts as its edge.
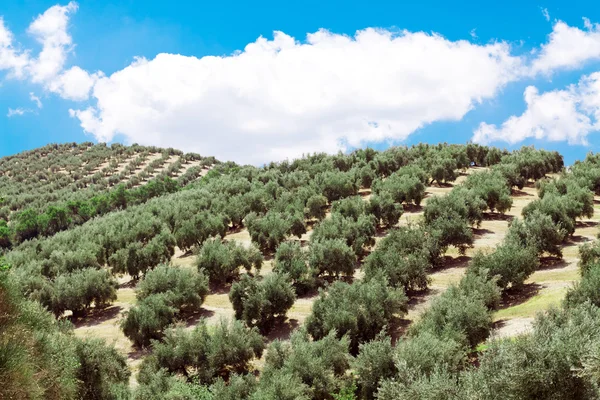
(492, 188)
(402, 188)
(78, 290)
(315, 207)
(360, 310)
(228, 349)
(319, 364)
(336, 185)
(333, 257)
(588, 289)
(222, 261)
(259, 303)
(183, 287)
(358, 233)
(374, 363)
(459, 202)
(537, 232)
(350, 207)
(384, 209)
(102, 370)
(457, 316)
(512, 264)
(268, 231)
(291, 260)
(403, 263)
(148, 319)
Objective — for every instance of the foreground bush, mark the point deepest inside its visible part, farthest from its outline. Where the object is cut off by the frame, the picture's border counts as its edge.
(360, 310)
(202, 356)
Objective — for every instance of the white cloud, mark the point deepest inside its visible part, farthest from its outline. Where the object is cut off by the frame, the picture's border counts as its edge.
(558, 115)
(35, 99)
(11, 60)
(17, 112)
(546, 14)
(279, 98)
(50, 29)
(568, 48)
(74, 84)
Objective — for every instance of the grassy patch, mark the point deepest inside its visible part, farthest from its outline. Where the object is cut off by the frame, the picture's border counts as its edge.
(546, 298)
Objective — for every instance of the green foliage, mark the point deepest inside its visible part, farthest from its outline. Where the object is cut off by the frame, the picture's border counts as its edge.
(374, 362)
(78, 290)
(537, 232)
(403, 188)
(331, 256)
(456, 315)
(148, 319)
(384, 209)
(315, 207)
(182, 287)
(512, 264)
(318, 365)
(491, 187)
(336, 185)
(270, 230)
(260, 303)
(360, 310)
(358, 233)
(202, 355)
(402, 258)
(292, 261)
(223, 260)
(102, 371)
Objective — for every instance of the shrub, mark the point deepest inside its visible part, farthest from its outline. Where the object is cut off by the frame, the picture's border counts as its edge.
(268, 231)
(492, 188)
(318, 364)
(291, 260)
(358, 233)
(402, 188)
(333, 257)
(222, 261)
(537, 232)
(457, 316)
(401, 262)
(360, 310)
(201, 355)
(148, 319)
(183, 287)
(374, 363)
(78, 290)
(315, 207)
(512, 264)
(102, 372)
(384, 209)
(259, 303)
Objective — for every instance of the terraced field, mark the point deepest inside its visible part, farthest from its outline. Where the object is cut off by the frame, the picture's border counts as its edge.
(544, 288)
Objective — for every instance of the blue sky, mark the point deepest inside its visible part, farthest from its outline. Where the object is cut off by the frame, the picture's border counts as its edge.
(238, 116)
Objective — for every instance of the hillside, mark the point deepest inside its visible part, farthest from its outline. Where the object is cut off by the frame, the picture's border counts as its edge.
(409, 273)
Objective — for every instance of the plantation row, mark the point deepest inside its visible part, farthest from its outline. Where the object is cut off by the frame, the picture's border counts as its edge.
(64, 176)
(343, 349)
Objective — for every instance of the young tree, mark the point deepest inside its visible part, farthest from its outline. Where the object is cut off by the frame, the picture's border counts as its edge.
(511, 263)
(222, 261)
(360, 310)
(292, 261)
(384, 209)
(333, 257)
(260, 303)
(102, 372)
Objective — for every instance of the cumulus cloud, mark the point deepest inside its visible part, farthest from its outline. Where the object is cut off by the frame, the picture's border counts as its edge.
(558, 115)
(568, 47)
(11, 59)
(279, 98)
(282, 97)
(50, 30)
